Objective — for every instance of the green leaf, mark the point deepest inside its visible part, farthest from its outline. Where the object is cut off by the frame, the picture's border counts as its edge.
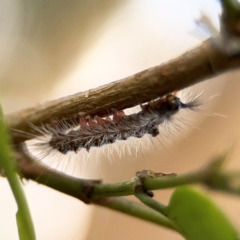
(197, 217)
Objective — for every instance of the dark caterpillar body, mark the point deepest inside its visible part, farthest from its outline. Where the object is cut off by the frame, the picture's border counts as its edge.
(98, 131)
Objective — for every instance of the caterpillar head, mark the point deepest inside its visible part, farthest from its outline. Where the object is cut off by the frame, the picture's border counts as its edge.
(174, 104)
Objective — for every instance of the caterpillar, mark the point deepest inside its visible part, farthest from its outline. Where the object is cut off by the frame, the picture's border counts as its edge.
(95, 132)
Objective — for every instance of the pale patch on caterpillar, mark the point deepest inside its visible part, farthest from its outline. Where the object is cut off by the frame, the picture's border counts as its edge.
(90, 134)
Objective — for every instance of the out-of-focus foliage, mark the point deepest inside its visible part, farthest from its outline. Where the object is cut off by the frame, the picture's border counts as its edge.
(198, 217)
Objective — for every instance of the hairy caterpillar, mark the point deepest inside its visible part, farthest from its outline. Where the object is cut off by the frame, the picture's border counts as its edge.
(88, 132)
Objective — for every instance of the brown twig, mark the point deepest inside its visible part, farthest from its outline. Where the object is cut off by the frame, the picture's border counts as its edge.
(205, 61)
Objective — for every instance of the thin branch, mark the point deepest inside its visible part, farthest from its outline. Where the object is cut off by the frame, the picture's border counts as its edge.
(106, 195)
(36, 171)
(91, 190)
(83, 190)
(136, 210)
(148, 201)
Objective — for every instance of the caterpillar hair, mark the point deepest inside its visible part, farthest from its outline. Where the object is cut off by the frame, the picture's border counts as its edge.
(90, 132)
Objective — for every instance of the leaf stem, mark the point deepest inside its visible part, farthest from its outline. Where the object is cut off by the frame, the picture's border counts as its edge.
(7, 163)
(136, 210)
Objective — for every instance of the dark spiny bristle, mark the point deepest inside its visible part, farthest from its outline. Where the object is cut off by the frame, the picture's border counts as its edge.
(98, 131)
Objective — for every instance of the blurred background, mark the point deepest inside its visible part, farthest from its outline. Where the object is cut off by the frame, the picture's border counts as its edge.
(51, 49)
